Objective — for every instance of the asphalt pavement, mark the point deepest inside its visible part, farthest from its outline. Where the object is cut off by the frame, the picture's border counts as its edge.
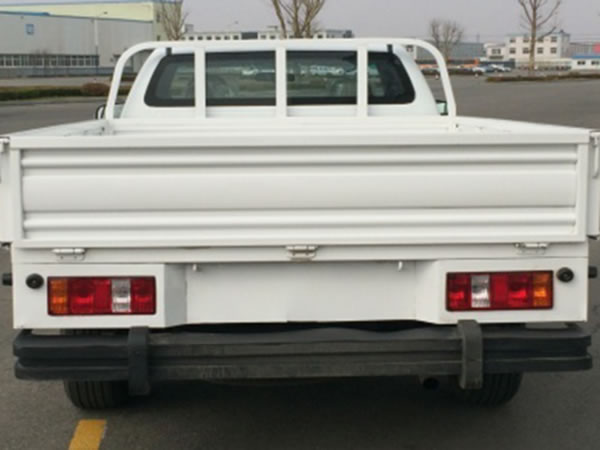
(552, 411)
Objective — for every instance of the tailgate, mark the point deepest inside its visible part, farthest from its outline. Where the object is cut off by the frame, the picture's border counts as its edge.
(265, 195)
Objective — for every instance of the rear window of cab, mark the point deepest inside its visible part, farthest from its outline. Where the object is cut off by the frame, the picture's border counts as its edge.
(248, 79)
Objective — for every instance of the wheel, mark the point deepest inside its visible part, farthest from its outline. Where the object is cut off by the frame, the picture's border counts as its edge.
(97, 394)
(497, 390)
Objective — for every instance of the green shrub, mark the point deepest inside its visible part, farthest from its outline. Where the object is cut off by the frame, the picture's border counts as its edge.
(94, 90)
(27, 93)
(551, 77)
(36, 92)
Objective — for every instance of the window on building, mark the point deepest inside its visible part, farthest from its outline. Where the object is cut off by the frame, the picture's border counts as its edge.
(526, 39)
(512, 51)
(16, 60)
(30, 29)
(1, 61)
(554, 50)
(554, 39)
(209, 38)
(158, 17)
(526, 50)
(540, 50)
(596, 63)
(227, 38)
(236, 38)
(581, 63)
(512, 40)
(540, 39)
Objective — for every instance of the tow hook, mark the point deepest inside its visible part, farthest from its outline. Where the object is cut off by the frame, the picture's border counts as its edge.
(7, 279)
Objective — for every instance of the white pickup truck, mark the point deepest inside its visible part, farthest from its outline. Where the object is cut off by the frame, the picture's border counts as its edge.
(296, 209)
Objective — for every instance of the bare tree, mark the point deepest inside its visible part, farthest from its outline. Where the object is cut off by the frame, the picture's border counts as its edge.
(446, 35)
(172, 17)
(297, 18)
(539, 17)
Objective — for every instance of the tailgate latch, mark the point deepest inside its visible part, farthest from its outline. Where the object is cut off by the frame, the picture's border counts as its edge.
(302, 253)
(532, 248)
(69, 254)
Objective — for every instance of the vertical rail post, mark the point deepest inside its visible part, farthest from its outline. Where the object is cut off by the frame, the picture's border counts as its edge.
(200, 82)
(362, 81)
(281, 80)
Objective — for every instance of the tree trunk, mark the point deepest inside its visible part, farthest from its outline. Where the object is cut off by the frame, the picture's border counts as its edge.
(532, 48)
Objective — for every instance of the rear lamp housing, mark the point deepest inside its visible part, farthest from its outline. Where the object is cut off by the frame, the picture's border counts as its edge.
(93, 296)
(499, 291)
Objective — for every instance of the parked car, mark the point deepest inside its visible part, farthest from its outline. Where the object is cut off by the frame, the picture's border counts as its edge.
(274, 232)
(500, 68)
(482, 70)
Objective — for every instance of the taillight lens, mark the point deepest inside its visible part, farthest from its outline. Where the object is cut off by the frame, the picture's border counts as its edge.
(499, 291)
(89, 296)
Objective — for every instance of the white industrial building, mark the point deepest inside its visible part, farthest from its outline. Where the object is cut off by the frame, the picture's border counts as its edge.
(40, 44)
(584, 63)
(270, 33)
(552, 50)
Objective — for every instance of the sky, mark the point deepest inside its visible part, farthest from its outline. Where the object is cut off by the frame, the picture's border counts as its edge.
(488, 20)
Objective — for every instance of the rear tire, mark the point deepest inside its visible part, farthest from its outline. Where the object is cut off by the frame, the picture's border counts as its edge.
(97, 394)
(94, 395)
(498, 389)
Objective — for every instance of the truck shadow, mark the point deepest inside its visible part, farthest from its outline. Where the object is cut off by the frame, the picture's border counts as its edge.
(344, 414)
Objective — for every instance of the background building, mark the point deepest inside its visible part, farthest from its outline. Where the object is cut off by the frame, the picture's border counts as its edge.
(553, 50)
(38, 44)
(270, 33)
(463, 53)
(584, 63)
(137, 10)
(585, 48)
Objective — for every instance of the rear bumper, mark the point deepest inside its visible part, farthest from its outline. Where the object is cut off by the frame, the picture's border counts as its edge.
(141, 357)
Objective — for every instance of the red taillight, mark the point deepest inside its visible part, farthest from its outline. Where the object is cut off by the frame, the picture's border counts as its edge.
(499, 291)
(101, 296)
(143, 295)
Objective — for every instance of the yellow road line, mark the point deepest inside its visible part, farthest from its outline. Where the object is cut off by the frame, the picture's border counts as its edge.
(88, 435)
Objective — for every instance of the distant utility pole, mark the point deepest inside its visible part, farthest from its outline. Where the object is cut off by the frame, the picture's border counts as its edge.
(535, 18)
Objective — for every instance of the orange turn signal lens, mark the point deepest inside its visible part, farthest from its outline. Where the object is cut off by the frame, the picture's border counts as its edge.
(58, 296)
(542, 290)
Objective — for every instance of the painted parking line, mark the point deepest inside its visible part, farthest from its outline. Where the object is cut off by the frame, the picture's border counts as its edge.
(88, 435)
